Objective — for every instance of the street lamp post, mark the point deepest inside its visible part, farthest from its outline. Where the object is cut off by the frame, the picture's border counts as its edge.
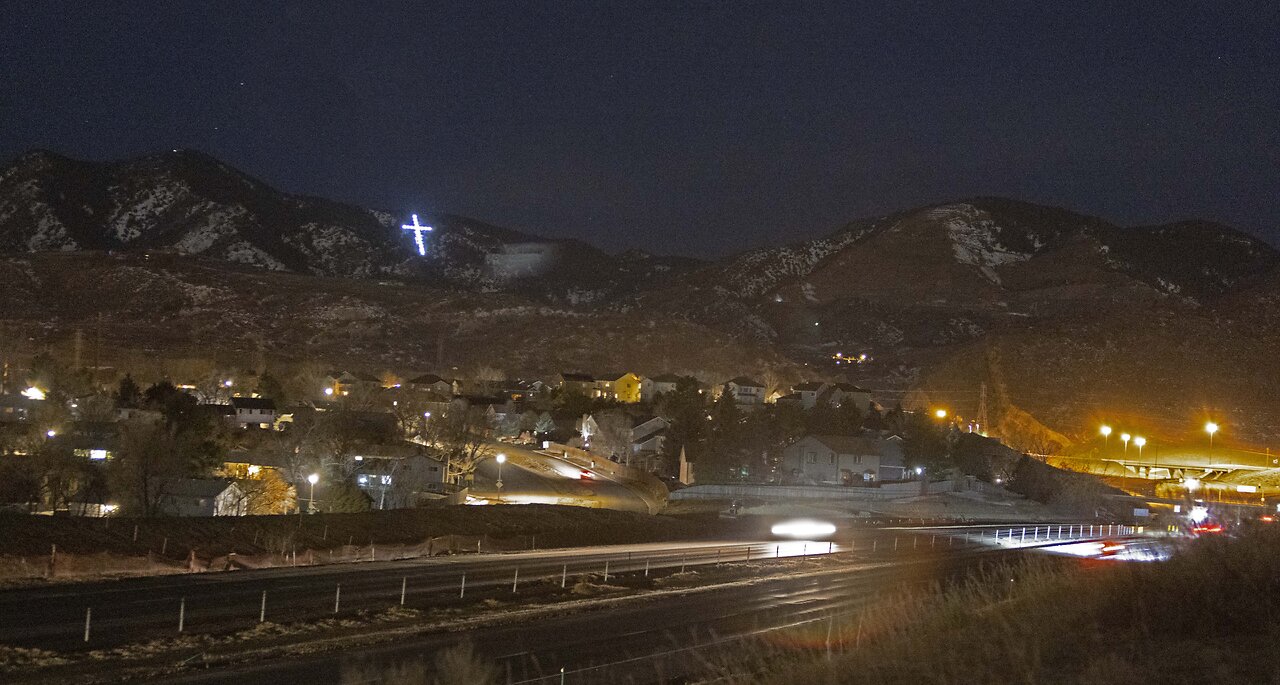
(1211, 428)
(311, 500)
(502, 459)
(1124, 437)
(1106, 437)
(1140, 442)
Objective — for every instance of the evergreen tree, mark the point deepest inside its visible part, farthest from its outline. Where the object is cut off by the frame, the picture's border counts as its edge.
(128, 394)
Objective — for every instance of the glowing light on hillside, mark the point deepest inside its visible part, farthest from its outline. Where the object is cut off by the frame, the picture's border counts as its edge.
(940, 413)
(33, 393)
(418, 229)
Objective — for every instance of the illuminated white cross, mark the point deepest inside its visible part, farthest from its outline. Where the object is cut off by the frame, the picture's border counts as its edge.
(417, 233)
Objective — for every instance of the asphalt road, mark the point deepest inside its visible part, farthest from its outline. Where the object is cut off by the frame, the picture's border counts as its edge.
(132, 610)
(531, 477)
(653, 641)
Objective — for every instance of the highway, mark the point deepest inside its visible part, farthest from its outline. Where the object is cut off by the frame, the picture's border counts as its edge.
(131, 610)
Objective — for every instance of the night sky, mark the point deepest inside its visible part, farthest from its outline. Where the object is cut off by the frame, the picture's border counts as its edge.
(688, 128)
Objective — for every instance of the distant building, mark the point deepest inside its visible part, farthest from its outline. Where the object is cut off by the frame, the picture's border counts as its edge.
(580, 383)
(745, 391)
(622, 387)
(203, 497)
(648, 438)
(259, 412)
(15, 408)
(339, 383)
(840, 394)
(435, 385)
(808, 393)
(650, 388)
(843, 460)
(395, 480)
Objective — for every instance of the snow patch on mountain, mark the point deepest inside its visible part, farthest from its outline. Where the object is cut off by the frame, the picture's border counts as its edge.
(244, 252)
(50, 233)
(131, 213)
(975, 239)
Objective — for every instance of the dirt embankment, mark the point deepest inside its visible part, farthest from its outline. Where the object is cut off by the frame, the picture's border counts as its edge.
(33, 547)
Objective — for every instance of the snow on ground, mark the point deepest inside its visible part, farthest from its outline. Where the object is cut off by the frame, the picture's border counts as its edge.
(975, 239)
(244, 252)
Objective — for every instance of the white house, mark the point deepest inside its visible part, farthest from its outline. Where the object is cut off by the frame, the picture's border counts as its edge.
(395, 482)
(840, 393)
(203, 497)
(843, 460)
(808, 393)
(650, 388)
(647, 439)
(745, 391)
(254, 411)
(435, 385)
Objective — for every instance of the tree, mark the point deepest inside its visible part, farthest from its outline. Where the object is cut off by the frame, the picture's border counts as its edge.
(544, 425)
(271, 387)
(924, 444)
(461, 434)
(128, 394)
(60, 474)
(722, 458)
(614, 437)
(146, 466)
(267, 493)
(685, 408)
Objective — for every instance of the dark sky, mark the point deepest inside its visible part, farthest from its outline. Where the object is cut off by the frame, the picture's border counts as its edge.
(692, 128)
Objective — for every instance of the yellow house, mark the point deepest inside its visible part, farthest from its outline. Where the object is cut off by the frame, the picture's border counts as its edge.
(623, 387)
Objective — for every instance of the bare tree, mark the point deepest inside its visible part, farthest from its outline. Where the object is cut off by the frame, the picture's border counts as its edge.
(614, 435)
(462, 434)
(146, 466)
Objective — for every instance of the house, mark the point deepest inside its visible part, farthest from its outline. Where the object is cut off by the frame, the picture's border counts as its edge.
(623, 387)
(843, 460)
(338, 383)
(794, 399)
(435, 385)
(745, 391)
(650, 388)
(808, 393)
(395, 482)
(580, 383)
(840, 393)
(15, 408)
(258, 412)
(648, 437)
(203, 497)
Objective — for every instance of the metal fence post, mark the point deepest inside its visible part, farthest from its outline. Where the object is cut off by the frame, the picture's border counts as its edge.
(182, 613)
(262, 610)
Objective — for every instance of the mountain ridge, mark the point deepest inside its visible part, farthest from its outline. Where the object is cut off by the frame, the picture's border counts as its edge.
(927, 293)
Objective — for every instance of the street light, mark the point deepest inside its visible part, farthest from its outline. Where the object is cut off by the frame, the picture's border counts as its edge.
(311, 502)
(502, 459)
(1106, 436)
(1211, 428)
(940, 413)
(1140, 441)
(1125, 437)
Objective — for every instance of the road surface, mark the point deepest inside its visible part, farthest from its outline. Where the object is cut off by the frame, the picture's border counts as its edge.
(531, 477)
(136, 609)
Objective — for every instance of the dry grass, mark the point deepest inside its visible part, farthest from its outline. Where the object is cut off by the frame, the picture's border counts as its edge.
(1211, 614)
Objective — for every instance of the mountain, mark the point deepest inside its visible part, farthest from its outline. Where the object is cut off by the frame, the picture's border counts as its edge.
(192, 204)
(1064, 319)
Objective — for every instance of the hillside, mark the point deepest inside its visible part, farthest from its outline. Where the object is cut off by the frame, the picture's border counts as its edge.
(1065, 318)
